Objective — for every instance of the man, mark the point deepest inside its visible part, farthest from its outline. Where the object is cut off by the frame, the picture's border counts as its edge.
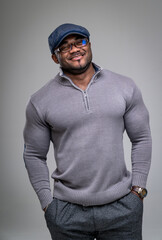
(84, 111)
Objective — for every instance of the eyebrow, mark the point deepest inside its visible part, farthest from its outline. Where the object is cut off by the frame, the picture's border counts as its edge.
(77, 37)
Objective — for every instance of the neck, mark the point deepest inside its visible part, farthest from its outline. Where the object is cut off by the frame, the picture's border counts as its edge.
(82, 79)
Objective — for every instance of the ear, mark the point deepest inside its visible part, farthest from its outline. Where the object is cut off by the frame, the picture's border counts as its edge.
(55, 59)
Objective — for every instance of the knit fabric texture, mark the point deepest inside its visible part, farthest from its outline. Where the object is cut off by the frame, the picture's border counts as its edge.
(86, 129)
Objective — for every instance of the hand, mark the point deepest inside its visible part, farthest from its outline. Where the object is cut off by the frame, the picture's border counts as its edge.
(136, 194)
(44, 209)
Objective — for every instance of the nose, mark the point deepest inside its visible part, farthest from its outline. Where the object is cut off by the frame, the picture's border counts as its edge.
(73, 48)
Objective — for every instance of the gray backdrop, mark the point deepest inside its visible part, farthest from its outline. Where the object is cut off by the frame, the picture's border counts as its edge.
(126, 37)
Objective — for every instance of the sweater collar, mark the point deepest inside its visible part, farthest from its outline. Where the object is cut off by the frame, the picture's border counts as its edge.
(65, 80)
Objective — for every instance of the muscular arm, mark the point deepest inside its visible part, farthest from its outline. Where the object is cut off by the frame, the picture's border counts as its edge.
(137, 126)
(37, 141)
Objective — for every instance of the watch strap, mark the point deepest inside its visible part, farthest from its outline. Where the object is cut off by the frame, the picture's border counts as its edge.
(142, 192)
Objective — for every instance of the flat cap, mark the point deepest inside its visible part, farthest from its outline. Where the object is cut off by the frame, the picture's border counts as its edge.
(63, 31)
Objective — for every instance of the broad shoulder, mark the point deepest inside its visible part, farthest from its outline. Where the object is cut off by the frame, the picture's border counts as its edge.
(116, 77)
(45, 92)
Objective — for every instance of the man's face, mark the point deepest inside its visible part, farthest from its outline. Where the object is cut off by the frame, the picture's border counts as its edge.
(75, 61)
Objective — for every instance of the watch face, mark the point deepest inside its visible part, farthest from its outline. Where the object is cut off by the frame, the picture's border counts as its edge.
(141, 191)
(144, 192)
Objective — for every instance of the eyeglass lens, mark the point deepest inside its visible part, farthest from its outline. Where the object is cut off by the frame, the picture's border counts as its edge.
(78, 43)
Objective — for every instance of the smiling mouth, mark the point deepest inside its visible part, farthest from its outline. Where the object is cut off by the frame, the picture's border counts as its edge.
(76, 56)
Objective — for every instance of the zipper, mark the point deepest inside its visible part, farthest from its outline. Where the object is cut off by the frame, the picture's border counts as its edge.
(85, 94)
(86, 100)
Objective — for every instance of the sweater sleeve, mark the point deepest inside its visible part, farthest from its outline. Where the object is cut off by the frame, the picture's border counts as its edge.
(37, 141)
(137, 127)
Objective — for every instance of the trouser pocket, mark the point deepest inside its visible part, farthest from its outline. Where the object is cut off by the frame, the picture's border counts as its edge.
(50, 214)
(58, 215)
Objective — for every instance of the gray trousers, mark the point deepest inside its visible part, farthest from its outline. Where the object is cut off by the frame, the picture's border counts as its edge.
(118, 220)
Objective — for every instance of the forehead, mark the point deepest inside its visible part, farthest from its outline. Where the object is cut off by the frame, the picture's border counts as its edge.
(71, 37)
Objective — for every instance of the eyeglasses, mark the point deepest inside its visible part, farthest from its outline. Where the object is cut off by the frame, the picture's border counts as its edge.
(79, 43)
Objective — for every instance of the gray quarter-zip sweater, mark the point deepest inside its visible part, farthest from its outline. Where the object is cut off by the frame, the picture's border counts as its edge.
(86, 129)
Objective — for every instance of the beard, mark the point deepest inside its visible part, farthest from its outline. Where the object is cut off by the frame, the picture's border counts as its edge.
(77, 70)
(80, 68)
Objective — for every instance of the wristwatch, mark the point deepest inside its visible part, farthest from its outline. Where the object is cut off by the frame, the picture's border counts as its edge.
(142, 192)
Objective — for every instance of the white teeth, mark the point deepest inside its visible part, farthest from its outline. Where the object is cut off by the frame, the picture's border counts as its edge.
(76, 57)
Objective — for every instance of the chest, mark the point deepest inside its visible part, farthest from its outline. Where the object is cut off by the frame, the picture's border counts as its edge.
(73, 107)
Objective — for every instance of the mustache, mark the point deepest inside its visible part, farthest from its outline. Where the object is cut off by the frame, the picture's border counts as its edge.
(76, 54)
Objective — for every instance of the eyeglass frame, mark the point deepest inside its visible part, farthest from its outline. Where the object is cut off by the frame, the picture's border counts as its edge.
(70, 45)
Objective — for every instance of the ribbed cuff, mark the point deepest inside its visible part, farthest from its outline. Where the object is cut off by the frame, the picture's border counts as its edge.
(45, 197)
(139, 180)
